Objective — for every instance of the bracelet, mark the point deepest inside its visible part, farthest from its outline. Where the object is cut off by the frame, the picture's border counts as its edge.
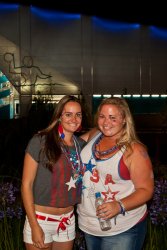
(122, 207)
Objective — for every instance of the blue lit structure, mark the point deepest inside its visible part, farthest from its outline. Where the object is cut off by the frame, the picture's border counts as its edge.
(158, 32)
(6, 108)
(115, 26)
(54, 15)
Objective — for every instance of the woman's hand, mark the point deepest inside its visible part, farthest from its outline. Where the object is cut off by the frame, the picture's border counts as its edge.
(108, 210)
(38, 237)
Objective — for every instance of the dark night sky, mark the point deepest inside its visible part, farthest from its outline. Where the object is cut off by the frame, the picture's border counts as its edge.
(153, 13)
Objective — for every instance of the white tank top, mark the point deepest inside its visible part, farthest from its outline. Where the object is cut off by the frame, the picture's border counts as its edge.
(111, 178)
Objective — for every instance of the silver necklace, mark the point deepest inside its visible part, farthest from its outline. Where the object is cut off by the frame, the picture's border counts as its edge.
(73, 157)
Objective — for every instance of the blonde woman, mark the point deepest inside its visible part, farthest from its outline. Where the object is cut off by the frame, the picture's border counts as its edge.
(117, 165)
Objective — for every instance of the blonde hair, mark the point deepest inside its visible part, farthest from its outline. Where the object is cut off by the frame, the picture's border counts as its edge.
(129, 135)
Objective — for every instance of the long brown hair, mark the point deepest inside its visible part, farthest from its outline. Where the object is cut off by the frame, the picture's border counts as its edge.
(52, 148)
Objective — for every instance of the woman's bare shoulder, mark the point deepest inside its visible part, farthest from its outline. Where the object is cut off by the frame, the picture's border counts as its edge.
(90, 134)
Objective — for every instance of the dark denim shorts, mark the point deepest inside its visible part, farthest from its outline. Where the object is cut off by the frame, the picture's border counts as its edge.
(131, 239)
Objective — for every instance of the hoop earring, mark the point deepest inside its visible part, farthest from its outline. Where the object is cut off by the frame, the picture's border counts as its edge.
(60, 131)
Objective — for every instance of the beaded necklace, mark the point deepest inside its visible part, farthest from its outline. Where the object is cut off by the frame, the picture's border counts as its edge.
(105, 152)
(73, 157)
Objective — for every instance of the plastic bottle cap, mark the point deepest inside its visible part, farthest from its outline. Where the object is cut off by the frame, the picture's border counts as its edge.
(98, 195)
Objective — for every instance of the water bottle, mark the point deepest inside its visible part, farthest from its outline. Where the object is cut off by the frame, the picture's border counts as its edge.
(104, 224)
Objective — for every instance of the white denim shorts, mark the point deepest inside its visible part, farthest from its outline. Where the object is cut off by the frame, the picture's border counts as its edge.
(56, 228)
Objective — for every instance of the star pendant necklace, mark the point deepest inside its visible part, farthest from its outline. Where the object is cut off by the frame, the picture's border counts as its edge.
(73, 157)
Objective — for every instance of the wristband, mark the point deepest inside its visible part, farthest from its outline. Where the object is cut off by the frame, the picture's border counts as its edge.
(122, 207)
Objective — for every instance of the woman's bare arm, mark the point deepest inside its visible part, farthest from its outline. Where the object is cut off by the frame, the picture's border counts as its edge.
(90, 134)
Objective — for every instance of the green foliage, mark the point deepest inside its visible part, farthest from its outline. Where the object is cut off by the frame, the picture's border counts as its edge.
(155, 238)
(11, 214)
(12, 218)
(11, 234)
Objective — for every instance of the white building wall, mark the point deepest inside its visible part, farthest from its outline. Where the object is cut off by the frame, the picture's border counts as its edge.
(70, 54)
